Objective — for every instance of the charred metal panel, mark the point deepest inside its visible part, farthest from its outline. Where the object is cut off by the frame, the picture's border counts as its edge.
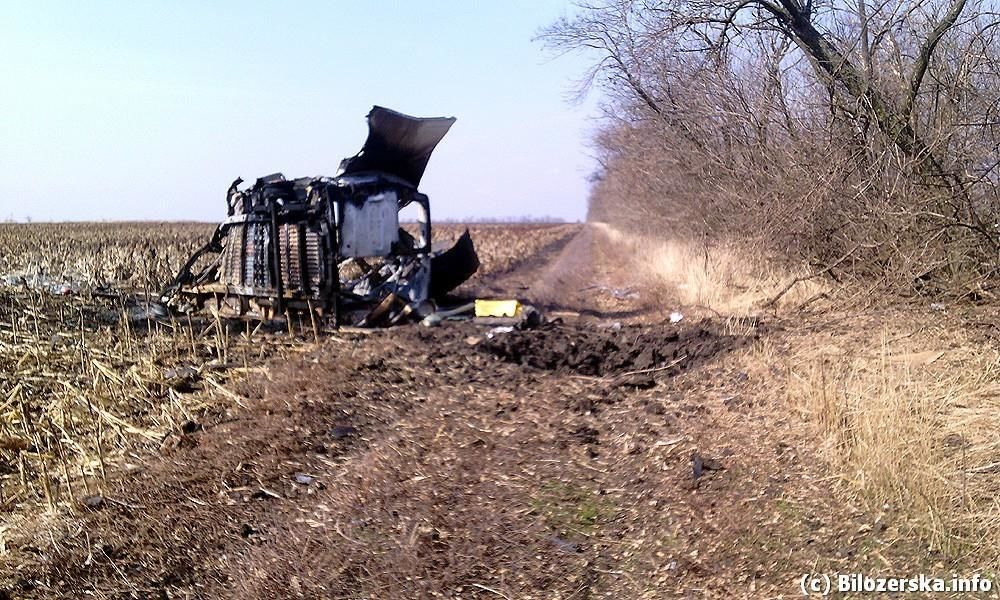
(370, 227)
(453, 267)
(314, 261)
(288, 244)
(258, 242)
(244, 256)
(301, 259)
(397, 144)
(233, 258)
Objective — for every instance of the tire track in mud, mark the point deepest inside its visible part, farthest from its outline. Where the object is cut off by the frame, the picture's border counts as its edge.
(518, 279)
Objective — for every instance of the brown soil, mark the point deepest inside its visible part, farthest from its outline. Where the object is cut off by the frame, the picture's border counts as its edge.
(441, 462)
(590, 350)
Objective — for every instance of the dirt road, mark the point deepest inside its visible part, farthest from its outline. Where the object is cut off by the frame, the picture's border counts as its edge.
(605, 455)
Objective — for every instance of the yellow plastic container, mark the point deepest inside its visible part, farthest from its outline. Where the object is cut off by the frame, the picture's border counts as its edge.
(498, 308)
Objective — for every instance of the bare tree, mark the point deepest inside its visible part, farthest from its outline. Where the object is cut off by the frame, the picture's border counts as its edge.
(817, 126)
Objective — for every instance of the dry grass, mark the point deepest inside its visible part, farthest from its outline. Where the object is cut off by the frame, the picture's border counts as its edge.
(723, 279)
(905, 407)
(910, 425)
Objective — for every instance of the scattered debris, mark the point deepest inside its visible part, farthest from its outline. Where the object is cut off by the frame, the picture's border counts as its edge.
(93, 501)
(458, 312)
(39, 282)
(432, 320)
(264, 493)
(303, 478)
(498, 308)
(676, 317)
(142, 310)
(342, 431)
(700, 464)
(624, 294)
(181, 372)
(498, 331)
(564, 545)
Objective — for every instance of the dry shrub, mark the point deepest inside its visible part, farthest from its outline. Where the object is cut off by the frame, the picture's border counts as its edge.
(717, 277)
(908, 428)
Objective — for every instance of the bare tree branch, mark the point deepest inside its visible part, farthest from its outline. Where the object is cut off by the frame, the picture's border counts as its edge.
(927, 50)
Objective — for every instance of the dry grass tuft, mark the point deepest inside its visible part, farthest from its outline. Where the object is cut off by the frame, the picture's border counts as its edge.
(722, 278)
(910, 425)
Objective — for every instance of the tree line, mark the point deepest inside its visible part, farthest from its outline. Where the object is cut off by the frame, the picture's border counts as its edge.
(860, 134)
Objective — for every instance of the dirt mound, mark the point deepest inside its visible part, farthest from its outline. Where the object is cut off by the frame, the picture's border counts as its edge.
(608, 350)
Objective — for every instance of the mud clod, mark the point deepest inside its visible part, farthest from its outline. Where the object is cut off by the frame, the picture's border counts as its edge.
(600, 352)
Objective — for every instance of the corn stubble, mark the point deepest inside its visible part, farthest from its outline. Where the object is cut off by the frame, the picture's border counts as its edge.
(85, 371)
(87, 375)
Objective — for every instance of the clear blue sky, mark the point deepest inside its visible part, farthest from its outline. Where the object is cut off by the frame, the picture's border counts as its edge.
(147, 110)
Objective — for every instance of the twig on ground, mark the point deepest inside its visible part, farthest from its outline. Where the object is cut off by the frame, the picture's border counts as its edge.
(673, 363)
(802, 278)
(491, 590)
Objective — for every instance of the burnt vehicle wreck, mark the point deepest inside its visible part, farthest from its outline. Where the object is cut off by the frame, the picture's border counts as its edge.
(333, 246)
